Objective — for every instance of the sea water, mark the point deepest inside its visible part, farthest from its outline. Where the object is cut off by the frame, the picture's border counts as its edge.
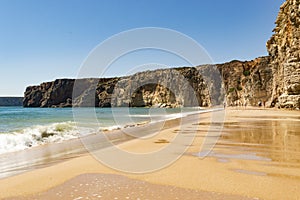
(22, 128)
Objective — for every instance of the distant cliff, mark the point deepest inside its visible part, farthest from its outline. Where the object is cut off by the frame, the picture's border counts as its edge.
(160, 88)
(273, 80)
(11, 101)
(243, 83)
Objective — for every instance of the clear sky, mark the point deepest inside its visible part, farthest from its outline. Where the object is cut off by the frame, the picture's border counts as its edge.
(44, 40)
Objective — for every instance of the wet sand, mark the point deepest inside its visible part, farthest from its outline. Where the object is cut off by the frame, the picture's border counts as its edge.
(257, 156)
(109, 186)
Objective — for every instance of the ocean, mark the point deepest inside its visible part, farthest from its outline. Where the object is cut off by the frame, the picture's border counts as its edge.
(23, 128)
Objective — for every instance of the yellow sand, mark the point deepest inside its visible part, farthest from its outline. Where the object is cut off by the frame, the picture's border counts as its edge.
(188, 172)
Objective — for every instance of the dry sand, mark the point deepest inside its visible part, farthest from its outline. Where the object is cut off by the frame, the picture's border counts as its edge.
(257, 156)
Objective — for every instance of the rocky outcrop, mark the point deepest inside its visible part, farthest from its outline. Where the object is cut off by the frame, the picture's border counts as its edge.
(50, 94)
(159, 88)
(11, 101)
(247, 83)
(162, 88)
(284, 49)
(241, 82)
(59, 93)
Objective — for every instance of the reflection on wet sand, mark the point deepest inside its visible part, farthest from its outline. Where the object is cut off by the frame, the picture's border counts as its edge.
(262, 145)
(277, 140)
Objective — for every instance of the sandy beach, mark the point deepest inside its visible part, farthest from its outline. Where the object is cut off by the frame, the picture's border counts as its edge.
(256, 157)
(150, 100)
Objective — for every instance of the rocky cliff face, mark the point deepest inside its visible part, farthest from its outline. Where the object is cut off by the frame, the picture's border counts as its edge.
(247, 83)
(59, 93)
(284, 49)
(160, 88)
(241, 82)
(50, 94)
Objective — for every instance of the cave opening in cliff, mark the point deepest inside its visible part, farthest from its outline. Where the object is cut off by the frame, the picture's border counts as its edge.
(152, 95)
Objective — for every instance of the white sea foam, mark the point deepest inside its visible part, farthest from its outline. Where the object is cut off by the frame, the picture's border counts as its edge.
(45, 134)
(110, 128)
(58, 132)
(37, 135)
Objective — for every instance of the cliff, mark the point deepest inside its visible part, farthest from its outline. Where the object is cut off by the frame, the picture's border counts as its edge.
(284, 49)
(247, 83)
(50, 94)
(160, 88)
(243, 83)
(11, 101)
(273, 80)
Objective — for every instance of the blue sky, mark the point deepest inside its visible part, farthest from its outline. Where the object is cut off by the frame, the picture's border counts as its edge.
(44, 40)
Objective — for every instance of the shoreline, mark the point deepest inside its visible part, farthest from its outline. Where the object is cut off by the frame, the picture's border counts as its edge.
(34, 157)
(266, 179)
(70, 122)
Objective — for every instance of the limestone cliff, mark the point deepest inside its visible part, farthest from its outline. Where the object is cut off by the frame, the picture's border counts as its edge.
(241, 82)
(284, 49)
(59, 93)
(164, 87)
(247, 83)
(50, 94)
(160, 88)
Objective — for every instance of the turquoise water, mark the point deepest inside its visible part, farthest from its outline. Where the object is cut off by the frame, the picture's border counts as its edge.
(16, 118)
(22, 128)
